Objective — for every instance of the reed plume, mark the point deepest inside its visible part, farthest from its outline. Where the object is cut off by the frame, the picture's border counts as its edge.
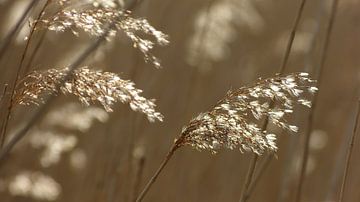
(95, 21)
(89, 86)
(228, 124)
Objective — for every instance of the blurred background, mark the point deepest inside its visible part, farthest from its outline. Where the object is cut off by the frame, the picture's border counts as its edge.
(78, 153)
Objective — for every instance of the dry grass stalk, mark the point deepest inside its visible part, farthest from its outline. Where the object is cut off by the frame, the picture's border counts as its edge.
(7, 39)
(246, 191)
(323, 58)
(95, 19)
(89, 86)
(349, 154)
(18, 74)
(227, 124)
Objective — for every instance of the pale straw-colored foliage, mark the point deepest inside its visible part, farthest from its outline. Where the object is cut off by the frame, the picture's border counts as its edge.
(229, 125)
(89, 86)
(98, 17)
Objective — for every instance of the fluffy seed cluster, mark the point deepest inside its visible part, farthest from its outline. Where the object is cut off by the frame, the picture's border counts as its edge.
(95, 21)
(89, 86)
(229, 125)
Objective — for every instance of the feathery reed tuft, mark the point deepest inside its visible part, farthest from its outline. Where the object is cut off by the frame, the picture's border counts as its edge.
(95, 20)
(89, 86)
(228, 124)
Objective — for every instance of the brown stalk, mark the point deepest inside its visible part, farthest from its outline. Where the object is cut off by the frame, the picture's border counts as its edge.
(249, 176)
(324, 56)
(245, 193)
(348, 155)
(7, 39)
(260, 173)
(175, 146)
(17, 76)
(34, 53)
(246, 190)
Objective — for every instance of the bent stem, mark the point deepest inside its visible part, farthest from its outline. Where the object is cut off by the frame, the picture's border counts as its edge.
(7, 39)
(260, 173)
(161, 167)
(18, 74)
(245, 193)
(323, 58)
(349, 154)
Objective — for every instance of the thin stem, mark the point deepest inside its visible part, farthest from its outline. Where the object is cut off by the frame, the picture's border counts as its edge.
(251, 170)
(155, 176)
(7, 39)
(349, 154)
(35, 52)
(17, 75)
(247, 192)
(260, 173)
(292, 37)
(338, 171)
(324, 55)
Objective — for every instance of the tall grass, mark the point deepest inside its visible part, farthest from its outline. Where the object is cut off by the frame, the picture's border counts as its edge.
(247, 119)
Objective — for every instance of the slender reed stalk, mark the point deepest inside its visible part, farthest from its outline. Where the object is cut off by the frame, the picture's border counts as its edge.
(34, 53)
(7, 39)
(30, 37)
(338, 169)
(348, 155)
(155, 176)
(260, 173)
(17, 76)
(292, 36)
(245, 193)
(249, 176)
(323, 59)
